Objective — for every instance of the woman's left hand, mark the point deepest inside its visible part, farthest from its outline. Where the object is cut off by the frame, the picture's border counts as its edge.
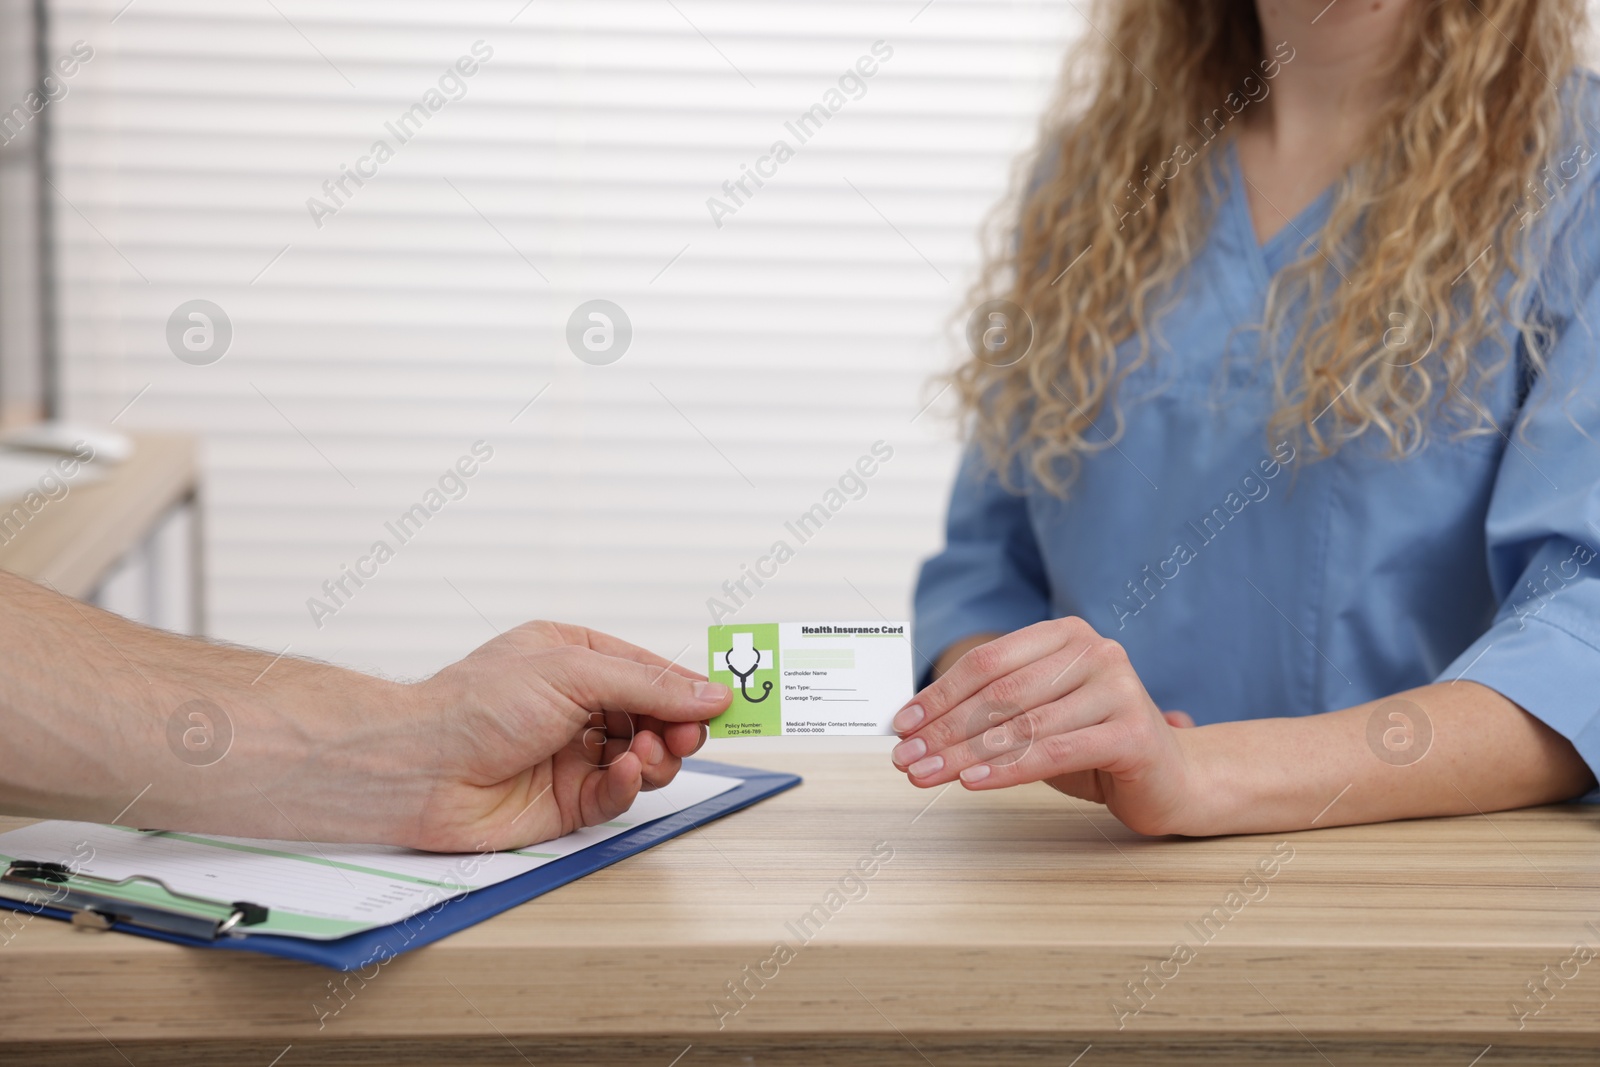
(1058, 703)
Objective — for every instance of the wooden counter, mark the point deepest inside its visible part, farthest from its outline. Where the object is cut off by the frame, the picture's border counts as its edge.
(74, 542)
(1004, 930)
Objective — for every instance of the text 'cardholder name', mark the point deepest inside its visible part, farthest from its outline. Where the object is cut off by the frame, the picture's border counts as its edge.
(810, 677)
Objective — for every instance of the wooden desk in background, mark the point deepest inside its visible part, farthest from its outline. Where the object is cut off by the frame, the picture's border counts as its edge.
(1004, 930)
(75, 542)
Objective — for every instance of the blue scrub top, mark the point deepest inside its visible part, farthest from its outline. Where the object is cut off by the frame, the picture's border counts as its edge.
(1248, 580)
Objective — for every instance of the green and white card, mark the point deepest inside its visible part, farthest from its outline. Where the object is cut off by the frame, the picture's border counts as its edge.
(810, 677)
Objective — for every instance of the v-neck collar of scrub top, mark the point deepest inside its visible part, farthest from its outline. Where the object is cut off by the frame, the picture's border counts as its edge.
(1294, 239)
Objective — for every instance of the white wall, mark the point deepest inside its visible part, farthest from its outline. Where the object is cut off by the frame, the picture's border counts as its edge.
(768, 353)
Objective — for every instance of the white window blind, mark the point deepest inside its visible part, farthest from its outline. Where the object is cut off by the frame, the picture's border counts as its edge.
(378, 337)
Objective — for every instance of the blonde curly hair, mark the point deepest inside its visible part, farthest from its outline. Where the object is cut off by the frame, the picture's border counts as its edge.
(1424, 225)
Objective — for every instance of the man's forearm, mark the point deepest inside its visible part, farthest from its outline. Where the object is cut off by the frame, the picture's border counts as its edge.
(103, 719)
(1444, 749)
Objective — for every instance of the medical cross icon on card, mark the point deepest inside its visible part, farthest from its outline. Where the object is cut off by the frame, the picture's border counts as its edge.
(752, 659)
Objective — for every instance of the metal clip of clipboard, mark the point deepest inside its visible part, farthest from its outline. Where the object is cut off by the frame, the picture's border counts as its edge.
(42, 884)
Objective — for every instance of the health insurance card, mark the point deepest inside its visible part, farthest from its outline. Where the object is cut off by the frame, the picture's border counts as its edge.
(810, 677)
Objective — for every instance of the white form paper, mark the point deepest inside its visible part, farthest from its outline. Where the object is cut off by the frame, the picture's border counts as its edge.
(322, 891)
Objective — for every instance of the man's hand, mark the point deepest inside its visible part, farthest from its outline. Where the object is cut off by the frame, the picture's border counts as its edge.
(547, 729)
(1054, 702)
(543, 730)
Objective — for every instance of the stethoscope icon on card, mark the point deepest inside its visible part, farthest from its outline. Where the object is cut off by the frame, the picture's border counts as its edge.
(744, 651)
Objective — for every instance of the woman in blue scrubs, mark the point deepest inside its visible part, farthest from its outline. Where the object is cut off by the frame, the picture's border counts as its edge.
(1282, 502)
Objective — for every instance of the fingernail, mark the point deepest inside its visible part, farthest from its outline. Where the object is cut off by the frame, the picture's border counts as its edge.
(908, 718)
(923, 768)
(906, 751)
(711, 692)
(976, 774)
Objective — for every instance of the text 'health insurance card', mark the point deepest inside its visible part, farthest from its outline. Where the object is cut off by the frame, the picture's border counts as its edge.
(811, 677)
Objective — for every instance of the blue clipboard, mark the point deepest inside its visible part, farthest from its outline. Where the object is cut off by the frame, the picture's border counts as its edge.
(386, 942)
